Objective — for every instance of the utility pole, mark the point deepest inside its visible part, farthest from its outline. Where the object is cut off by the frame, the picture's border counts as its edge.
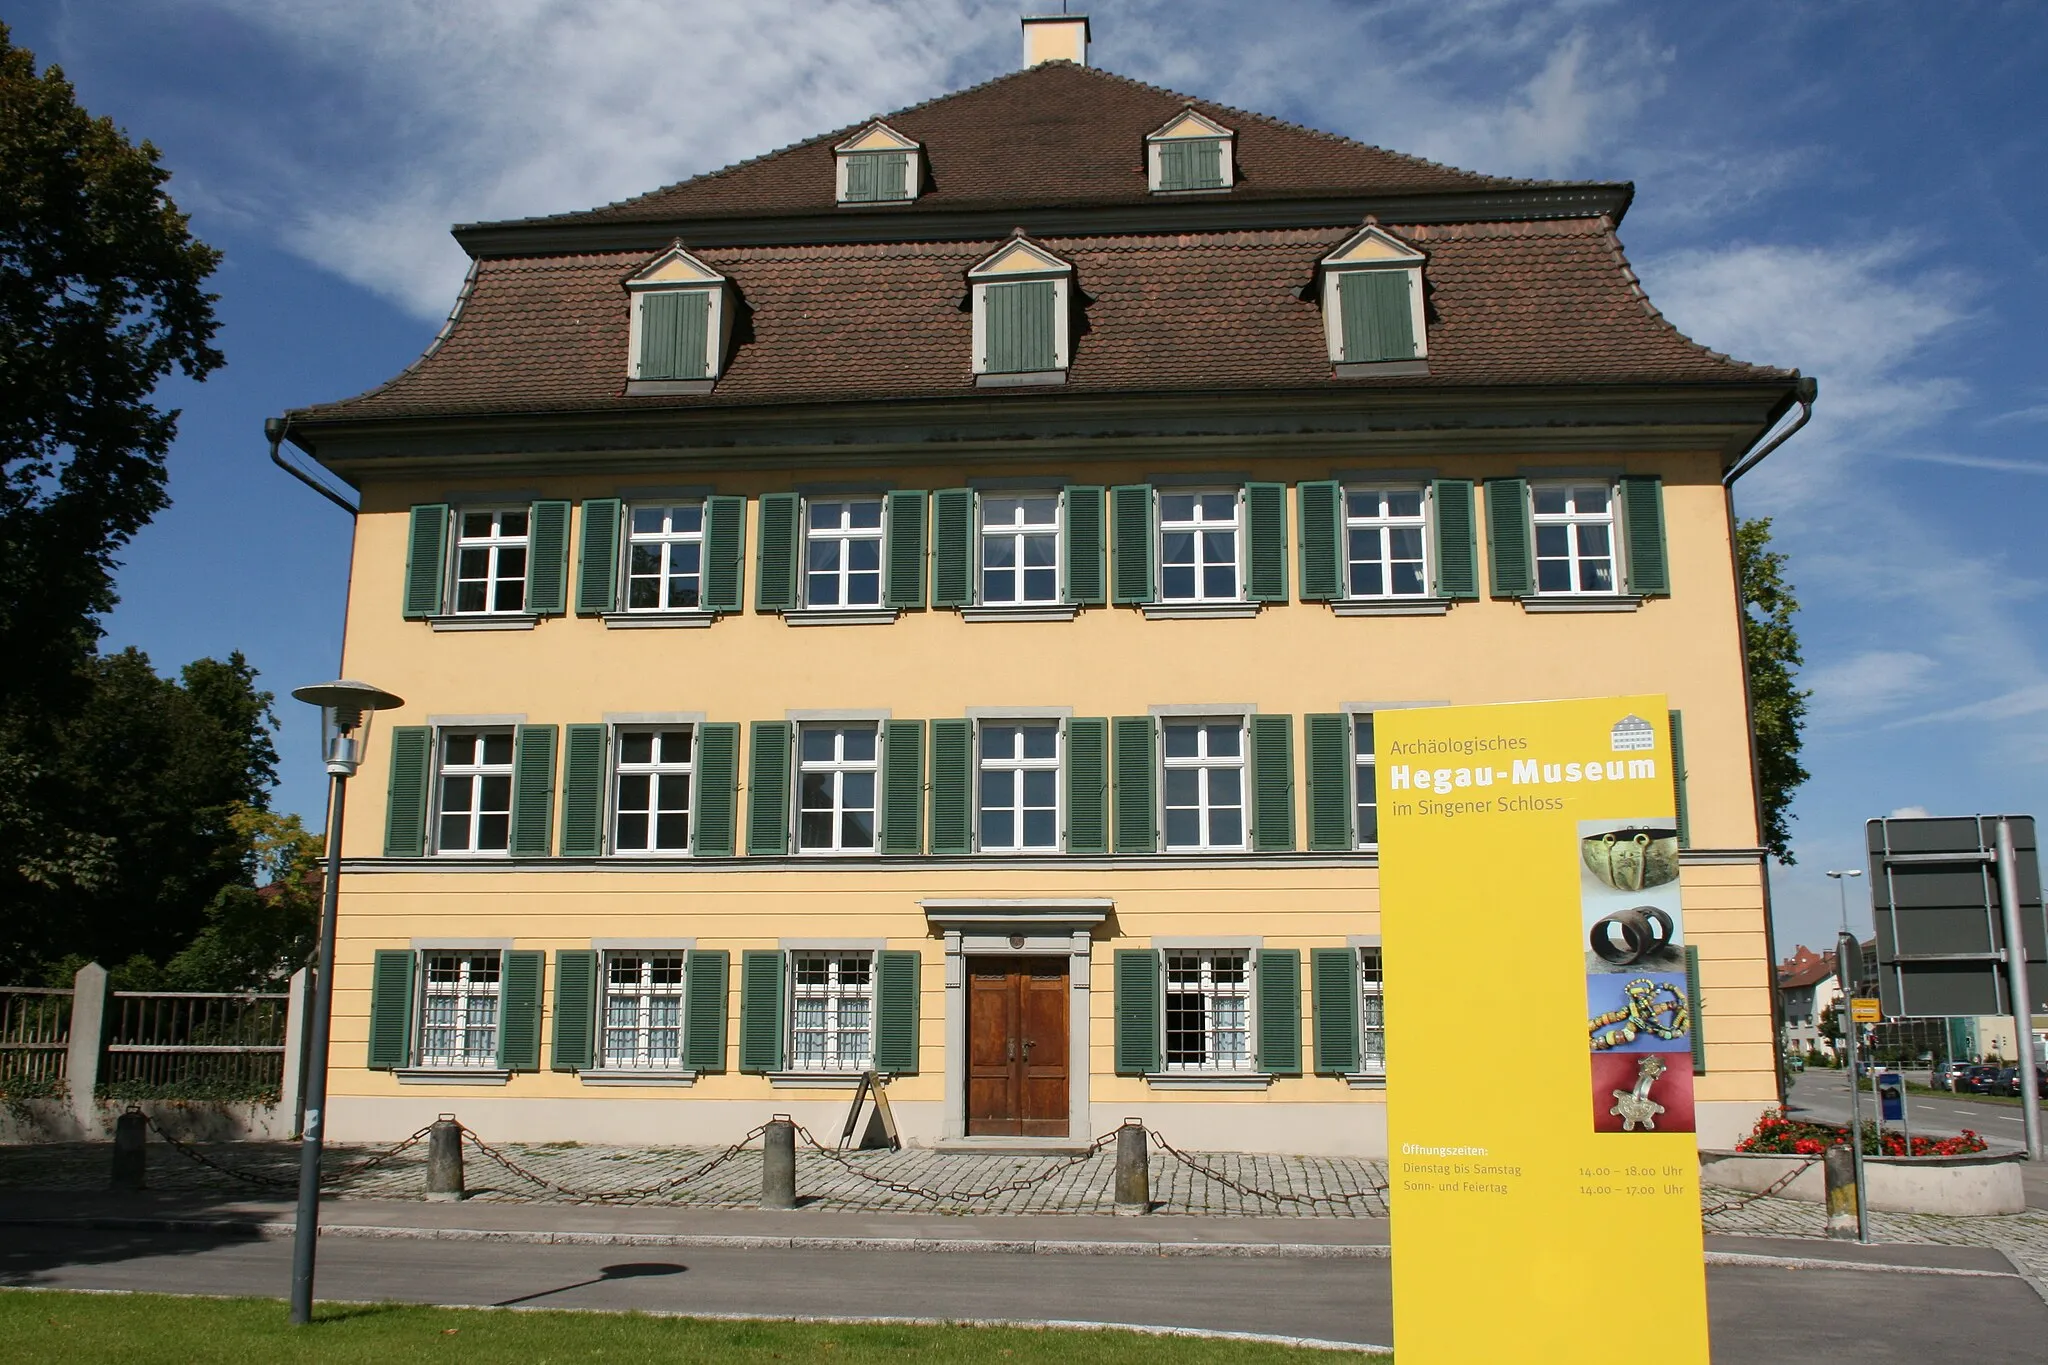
(1848, 966)
(2017, 987)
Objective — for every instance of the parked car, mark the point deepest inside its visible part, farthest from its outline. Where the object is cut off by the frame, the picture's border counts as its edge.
(1943, 1077)
(2009, 1081)
(1978, 1080)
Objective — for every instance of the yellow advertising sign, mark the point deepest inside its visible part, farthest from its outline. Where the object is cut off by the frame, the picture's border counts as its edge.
(1541, 1130)
(1864, 1009)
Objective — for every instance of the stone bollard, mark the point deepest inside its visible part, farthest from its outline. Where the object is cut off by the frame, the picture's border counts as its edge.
(1133, 1169)
(778, 1164)
(1839, 1166)
(444, 1159)
(131, 1151)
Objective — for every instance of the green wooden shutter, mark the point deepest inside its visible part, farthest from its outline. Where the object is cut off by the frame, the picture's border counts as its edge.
(1265, 547)
(1088, 785)
(1133, 534)
(725, 552)
(715, 822)
(1682, 807)
(1176, 167)
(675, 327)
(902, 786)
(1086, 586)
(876, 177)
(693, 344)
(1328, 738)
(1692, 1004)
(861, 178)
(761, 1010)
(1642, 517)
(1205, 164)
(1377, 318)
(903, 557)
(405, 813)
(704, 1008)
(426, 561)
(583, 784)
(1279, 986)
(575, 1042)
(1507, 538)
(896, 1009)
(953, 547)
(1137, 817)
(768, 788)
(1137, 1011)
(1321, 509)
(547, 560)
(952, 786)
(1457, 540)
(1333, 975)
(519, 985)
(1272, 783)
(597, 564)
(391, 1009)
(775, 574)
(533, 790)
(1017, 327)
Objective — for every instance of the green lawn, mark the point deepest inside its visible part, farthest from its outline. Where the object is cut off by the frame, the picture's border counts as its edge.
(52, 1326)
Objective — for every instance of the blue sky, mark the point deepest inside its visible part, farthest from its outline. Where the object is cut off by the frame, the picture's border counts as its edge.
(1853, 188)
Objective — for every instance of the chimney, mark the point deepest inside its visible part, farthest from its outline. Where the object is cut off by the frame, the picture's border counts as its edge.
(1055, 38)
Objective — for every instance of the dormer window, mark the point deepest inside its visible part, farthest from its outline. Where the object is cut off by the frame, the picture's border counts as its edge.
(1021, 310)
(1190, 153)
(682, 322)
(878, 165)
(1372, 306)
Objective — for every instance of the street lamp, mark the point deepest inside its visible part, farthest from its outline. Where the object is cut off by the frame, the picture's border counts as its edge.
(346, 708)
(1842, 885)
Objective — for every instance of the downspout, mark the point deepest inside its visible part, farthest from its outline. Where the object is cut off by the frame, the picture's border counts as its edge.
(1805, 392)
(276, 428)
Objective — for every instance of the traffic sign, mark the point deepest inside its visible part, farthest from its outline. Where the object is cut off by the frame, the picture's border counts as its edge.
(1863, 1009)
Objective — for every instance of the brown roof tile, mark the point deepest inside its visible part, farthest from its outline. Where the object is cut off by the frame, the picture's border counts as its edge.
(1509, 304)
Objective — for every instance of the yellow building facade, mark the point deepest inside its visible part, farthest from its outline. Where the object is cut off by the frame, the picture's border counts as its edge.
(936, 633)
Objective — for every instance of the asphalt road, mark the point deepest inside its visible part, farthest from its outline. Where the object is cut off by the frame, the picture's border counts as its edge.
(1759, 1314)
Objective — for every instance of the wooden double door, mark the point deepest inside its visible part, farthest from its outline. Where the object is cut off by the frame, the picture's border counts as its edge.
(1017, 1046)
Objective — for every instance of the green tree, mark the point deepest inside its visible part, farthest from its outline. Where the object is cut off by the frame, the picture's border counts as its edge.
(257, 935)
(1777, 704)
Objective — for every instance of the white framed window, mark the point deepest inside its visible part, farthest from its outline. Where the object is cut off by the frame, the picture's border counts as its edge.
(1373, 312)
(643, 1009)
(1365, 821)
(843, 552)
(1020, 548)
(837, 767)
(878, 165)
(1386, 548)
(491, 545)
(459, 1008)
(832, 1011)
(1191, 152)
(680, 326)
(473, 807)
(1204, 769)
(1372, 1014)
(1021, 296)
(651, 789)
(1574, 537)
(1020, 781)
(1208, 1009)
(665, 556)
(1199, 546)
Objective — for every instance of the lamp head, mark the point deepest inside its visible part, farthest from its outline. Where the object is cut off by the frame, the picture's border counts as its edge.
(346, 707)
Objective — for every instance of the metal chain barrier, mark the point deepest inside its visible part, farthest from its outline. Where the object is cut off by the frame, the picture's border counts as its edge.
(845, 1161)
(607, 1196)
(1731, 1205)
(1344, 1198)
(277, 1182)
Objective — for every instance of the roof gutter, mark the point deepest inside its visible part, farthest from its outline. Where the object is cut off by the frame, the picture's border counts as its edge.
(1806, 391)
(276, 428)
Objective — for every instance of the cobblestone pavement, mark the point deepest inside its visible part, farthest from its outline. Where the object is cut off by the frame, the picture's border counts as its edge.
(2024, 1236)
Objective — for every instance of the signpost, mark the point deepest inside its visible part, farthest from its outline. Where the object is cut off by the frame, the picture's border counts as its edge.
(1548, 831)
(1848, 961)
(1865, 1010)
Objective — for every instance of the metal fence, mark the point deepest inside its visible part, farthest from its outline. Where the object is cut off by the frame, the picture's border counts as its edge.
(35, 1033)
(195, 1042)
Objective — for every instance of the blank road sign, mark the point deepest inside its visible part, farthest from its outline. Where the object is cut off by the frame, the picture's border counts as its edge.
(1940, 927)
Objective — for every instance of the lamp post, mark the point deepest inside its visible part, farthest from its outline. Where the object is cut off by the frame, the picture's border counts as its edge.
(1848, 967)
(346, 707)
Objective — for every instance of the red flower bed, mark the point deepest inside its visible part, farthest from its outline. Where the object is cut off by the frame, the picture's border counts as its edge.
(1776, 1135)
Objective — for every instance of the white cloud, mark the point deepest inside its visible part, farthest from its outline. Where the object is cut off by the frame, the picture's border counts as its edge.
(1870, 684)
(1909, 813)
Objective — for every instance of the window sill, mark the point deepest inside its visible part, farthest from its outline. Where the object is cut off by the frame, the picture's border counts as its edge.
(1539, 606)
(1380, 369)
(1186, 190)
(655, 388)
(1392, 606)
(633, 1076)
(1021, 379)
(1030, 611)
(522, 621)
(1209, 1080)
(451, 1075)
(1366, 1080)
(1199, 611)
(658, 620)
(842, 616)
(815, 1080)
